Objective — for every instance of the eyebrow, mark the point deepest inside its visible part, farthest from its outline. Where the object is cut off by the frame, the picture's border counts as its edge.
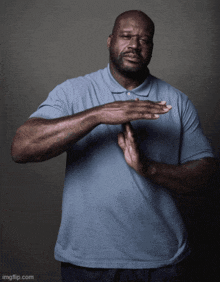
(146, 36)
(130, 31)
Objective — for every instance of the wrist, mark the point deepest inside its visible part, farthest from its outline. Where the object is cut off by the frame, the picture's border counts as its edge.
(151, 168)
(147, 168)
(96, 114)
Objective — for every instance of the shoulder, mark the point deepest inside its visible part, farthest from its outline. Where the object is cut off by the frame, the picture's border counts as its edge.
(170, 94)
(79, 86)
(167, 89)
(182, 106)
(87, 80)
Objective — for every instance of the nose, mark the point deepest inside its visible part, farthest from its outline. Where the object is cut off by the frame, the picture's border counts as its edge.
(134, 43)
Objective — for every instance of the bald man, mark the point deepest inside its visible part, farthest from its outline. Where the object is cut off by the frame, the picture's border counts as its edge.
(132, 141)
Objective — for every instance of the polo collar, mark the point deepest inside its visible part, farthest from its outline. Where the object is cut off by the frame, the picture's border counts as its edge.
(116, 88)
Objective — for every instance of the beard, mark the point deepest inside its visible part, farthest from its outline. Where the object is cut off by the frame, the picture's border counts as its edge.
(136, 70)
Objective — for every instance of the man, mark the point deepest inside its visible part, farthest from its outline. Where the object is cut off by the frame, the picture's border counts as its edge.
(131, 141)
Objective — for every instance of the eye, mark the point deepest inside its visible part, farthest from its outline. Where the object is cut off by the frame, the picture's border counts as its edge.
(127, 37)
(145, 41)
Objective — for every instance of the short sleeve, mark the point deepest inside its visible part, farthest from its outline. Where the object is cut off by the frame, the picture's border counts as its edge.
(56, 105)
(194, 144)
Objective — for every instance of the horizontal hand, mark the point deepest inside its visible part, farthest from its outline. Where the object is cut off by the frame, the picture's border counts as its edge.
(125, 111)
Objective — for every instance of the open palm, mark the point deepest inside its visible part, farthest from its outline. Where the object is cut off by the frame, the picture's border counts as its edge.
(127, 143)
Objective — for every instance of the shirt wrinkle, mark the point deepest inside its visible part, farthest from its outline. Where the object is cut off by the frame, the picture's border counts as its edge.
(111, 216)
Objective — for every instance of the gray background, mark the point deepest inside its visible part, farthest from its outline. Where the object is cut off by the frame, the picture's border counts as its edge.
(46, 42)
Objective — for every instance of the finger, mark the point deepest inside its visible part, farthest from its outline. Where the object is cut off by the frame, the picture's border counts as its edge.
(128, 130)
(149, 108)
(152, 107)
(121, 141)
(159, 102)
(129, 135)
(152, 112)
(162, 105)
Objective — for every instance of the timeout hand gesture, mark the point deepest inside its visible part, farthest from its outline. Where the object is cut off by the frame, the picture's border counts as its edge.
(126, 141)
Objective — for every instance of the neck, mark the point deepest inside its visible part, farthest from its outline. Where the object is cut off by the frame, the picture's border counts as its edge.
(128, 82)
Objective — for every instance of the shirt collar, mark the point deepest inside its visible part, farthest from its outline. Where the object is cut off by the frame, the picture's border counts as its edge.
(116, 88)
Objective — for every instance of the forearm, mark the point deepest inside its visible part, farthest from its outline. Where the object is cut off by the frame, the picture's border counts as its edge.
(42, 139)
(189, 177)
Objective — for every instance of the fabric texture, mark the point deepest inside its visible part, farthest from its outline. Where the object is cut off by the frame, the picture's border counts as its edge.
(180, 272)
(111, 216)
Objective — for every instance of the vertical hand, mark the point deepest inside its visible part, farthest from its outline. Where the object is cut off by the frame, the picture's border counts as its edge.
(126, 141)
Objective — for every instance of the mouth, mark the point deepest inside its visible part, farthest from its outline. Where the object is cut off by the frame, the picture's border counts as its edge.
(132, 57)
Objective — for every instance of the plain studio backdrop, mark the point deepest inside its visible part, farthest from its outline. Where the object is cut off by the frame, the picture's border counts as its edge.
(46, 42)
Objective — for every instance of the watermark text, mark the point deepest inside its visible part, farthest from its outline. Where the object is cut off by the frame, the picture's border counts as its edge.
(17, 277)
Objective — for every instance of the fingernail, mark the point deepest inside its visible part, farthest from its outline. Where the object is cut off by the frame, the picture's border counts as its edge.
(169, 106)
(156, 116)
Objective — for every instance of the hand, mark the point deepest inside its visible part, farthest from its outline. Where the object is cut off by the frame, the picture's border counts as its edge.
(125, 111)
(126, 142)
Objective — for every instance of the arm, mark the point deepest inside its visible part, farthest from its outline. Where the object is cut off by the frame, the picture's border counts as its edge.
(40, 139)
(185, 178)
(189, 177)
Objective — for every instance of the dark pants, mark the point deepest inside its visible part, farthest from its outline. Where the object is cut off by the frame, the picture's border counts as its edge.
(180, 272)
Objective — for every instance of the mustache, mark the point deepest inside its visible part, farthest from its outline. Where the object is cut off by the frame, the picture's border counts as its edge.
(132, 53)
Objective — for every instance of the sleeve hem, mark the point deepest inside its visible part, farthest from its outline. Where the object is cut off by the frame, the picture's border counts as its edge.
(198, 156)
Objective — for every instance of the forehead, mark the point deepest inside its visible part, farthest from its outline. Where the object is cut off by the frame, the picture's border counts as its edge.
(134, 24)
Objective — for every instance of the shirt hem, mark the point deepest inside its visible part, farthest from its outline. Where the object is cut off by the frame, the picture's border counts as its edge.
(124, 264)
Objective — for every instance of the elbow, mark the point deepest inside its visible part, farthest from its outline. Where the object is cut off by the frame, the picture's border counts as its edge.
(18, 159)
(19, 149)
(17, 153)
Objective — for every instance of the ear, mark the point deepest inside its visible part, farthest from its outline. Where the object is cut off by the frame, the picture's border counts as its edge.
(109, 41)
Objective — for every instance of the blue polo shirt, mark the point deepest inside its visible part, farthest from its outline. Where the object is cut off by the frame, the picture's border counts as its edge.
(111, 216)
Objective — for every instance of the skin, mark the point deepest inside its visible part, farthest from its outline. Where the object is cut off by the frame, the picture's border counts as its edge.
(190, 177)
(130, 46)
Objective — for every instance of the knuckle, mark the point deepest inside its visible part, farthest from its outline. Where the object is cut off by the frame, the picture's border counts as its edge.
(141, 114)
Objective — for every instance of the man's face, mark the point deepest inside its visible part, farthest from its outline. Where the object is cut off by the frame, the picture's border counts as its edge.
(131, 46)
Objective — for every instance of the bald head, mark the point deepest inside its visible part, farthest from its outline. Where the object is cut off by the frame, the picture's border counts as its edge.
(130, 45)
(136, 15)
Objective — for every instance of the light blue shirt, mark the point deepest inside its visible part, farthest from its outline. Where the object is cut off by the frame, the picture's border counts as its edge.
(111, 216)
